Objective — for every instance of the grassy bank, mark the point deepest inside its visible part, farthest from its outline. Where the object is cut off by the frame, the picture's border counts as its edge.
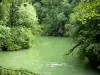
(5, 71)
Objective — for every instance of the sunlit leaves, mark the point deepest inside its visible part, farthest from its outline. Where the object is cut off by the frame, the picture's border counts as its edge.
(28, 17)
(18, 19)
(88, 10)
(86, 18)
(1, 22)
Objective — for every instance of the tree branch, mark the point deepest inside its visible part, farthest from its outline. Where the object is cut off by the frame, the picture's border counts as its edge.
(71, 50)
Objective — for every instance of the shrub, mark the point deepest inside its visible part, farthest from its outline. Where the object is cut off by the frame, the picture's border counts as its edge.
(5, 36)
(22, 37)
(15, 38)
(5, 71)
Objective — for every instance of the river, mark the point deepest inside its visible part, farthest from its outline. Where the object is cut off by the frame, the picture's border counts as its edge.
(47, 58)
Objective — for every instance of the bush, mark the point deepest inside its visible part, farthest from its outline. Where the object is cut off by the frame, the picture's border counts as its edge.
(5, 36)
(22, 37)
(15, 38)
(25, 16)
(22, 23)
(4, 71)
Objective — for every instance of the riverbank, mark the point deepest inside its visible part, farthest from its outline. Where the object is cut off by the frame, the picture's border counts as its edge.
(5, 71)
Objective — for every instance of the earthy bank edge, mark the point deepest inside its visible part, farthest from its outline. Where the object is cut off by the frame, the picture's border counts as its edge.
(5, 71)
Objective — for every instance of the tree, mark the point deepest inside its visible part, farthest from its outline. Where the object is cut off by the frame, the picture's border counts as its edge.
(4, 12)
(53, 15)
(28, 17)
(19, 22)
(86, 20)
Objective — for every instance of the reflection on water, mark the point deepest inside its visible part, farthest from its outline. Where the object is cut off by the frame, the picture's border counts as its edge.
(46, 58)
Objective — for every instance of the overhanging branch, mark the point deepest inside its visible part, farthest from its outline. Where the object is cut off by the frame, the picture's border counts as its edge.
(72, 49)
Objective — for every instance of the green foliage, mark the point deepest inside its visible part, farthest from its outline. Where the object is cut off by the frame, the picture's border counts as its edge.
(1, 22)
(19, 13)
(53, 15)
(5, 71)
(22, 13)
(5, 35)
(86, 21)
(23, 37)
(4, 12)
(28, 18)
(69, 29)
(88, 11)
(15, 38)
(18, 24)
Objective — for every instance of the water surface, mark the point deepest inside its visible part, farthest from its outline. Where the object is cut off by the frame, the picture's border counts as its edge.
(47, 58)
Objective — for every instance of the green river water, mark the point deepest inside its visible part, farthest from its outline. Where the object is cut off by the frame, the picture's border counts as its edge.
(47, 58)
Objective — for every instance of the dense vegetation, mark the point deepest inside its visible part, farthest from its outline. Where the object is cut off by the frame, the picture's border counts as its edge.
(5, 71)
(53, 16)
(86, 20)
(79, 19)
(18, 24)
